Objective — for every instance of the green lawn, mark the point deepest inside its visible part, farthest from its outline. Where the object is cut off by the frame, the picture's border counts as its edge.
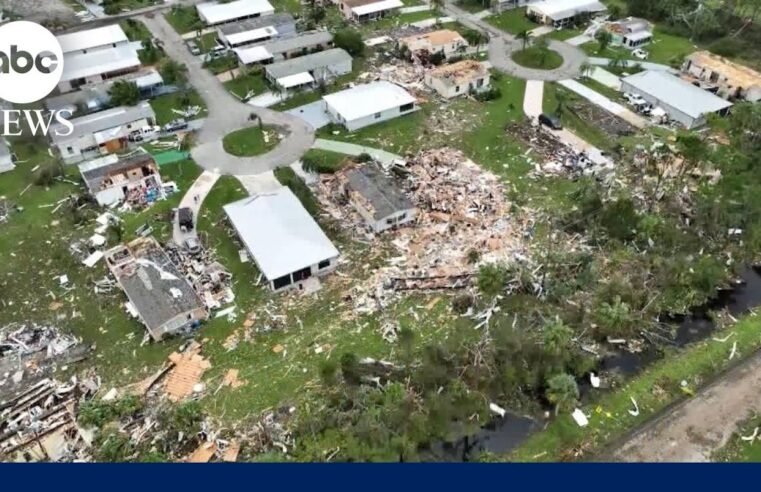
(163, 106)
(183, 18)
(606, 91)
(207, 41)
(118, 6)
(536, 57)
(565, 33)
(513, 21)
(472, 6)
(243, 84)
(654, 389)
(739, 450)
(393, 21)
(584, 129)
(250, 141)
(326, 161)
(135, 30)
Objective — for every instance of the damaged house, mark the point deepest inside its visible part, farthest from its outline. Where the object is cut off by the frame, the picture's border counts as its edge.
(158, 293)
(286, 243)
(101, 133)
(631, 33)
(111, 180)
(444, 41)
(459, 78)
(376, 197)
(367, 10)
(723, 77)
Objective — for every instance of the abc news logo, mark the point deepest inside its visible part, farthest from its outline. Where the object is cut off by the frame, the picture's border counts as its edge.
(31, 66)
(20, 61)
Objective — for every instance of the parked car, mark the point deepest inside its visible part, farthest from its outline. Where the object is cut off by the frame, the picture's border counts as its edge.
(551, 121)
(176, 125)
(185, 218)
(192, 245)
(640, 53)
(193, 48)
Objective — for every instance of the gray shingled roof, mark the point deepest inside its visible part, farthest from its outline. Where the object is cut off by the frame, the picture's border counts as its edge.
(158, 290)
(103, 120)
(94, 177)
(307, 63)
(381, 192)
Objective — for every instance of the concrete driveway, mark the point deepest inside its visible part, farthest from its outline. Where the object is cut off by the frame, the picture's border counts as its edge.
(312, 113)
(193, 199)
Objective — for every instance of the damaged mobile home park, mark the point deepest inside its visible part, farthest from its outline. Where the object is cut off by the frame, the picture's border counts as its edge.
(512, 235)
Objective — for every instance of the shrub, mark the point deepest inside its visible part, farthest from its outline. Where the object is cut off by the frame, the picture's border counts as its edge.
(350, 40)
(489, 94)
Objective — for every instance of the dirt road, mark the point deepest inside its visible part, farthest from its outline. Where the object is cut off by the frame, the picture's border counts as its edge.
(691, 431)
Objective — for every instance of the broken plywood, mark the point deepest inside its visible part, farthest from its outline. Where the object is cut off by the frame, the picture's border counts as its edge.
(188, 369)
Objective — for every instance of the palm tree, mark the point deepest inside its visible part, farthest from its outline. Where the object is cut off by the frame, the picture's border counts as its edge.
(562, 391)
(604, 39)
(586, 69)
(557, 338)
(438, 5)
(618, 61)
(560, 100)
(524, 36)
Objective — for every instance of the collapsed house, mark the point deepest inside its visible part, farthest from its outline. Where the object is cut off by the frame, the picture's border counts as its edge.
(367, 104)
(158, 293)
(256, 30)
(103, 133)
(723, 77)
(683, 102)
(39, 423)
(309, 70)
(376, 197)
(209, 278)
(216, 13)
(456, 79)
(286, 243)
(111, 180)
(444, 41)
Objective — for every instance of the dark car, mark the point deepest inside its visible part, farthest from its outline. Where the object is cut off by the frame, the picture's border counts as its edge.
(185, 218)
(176, 125)
(551, 121)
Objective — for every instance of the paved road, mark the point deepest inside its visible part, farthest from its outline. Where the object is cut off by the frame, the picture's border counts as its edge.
(604, 62)
(692, 430)
(193, 199)
(533, 98)
(502, 45)
(227, 114)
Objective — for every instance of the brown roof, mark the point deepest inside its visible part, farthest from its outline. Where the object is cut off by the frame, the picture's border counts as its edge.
(460, 72)
(738, 75)
(436, 38)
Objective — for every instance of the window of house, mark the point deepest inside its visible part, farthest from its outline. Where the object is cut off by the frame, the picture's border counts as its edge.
(70, 150)
(479, 83)
(281, 282)
(407, 107)
(377, 115)
(457, 88)
(323, 264)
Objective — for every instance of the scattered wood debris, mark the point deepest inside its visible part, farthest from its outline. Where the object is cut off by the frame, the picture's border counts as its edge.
(183, 379)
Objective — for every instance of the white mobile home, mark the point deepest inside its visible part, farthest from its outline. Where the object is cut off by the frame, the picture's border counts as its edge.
(214, 13)
(81, 42)
(286, 243)
(309, 70)
(94, 67)
(368, 104)
(682, 101)
(101, 133)
(560, 13)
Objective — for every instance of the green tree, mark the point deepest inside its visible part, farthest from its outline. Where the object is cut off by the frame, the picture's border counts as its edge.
(525, 37)
(563, 392)
(174, 73)
(124, 93)
(557, 338)
(492, 279)
(310, 164)
(604, 38)
(150, 54)
(586, 69)
(350, 40)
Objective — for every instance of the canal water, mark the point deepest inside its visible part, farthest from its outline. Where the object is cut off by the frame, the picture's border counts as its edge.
(502, 435)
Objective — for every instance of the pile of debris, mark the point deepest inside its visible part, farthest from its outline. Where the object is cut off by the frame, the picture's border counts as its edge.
(612, 125)
(30, 349)
(39, 423)
(463, 220)
(5, 209)
(557, 157)
(209, 278)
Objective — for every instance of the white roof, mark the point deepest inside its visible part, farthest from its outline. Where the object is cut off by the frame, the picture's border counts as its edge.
(677, 93)
(367, 99)
(295, 80)
(252, 54)
(217, 13)
(106, 160)
(92, 38)
(79, 65)
(561, 9)
(279, 233)
(377, 7)
(639, 35)
(252, 35)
